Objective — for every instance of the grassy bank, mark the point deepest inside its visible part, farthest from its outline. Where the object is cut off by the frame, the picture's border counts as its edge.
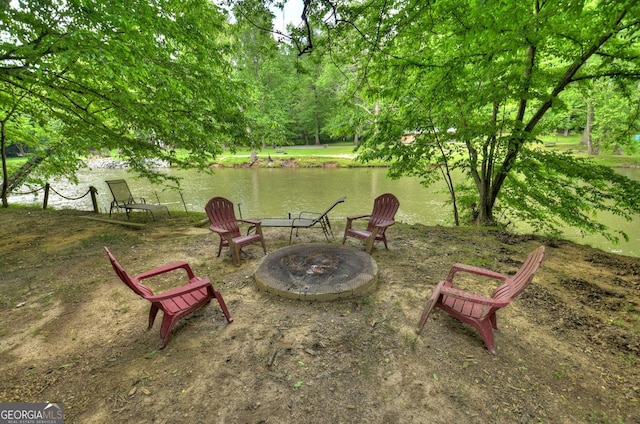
(573, 144)
(342, 155)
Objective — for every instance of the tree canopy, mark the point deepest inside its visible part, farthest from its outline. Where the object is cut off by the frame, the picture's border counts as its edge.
(450, 89)
(492, 72)
(142, 77)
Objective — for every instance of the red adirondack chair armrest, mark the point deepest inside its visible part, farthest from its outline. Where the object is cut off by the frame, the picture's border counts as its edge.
(354, 217)
(254, 222)
(218, 230)
(187, 288)
(380, 227)
(385, 224)
(166, 268)
(475, 270)
(350, 219)
(471, 297)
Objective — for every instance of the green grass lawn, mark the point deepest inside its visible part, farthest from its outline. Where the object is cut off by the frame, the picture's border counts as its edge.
(305, 156)
(607, 157)
(14, 163)
(343, 154)
(303, 151)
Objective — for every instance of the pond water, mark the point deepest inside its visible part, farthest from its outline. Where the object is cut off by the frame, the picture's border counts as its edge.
(263, 193)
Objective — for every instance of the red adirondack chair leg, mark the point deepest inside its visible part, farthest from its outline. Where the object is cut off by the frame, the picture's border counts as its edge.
(484, 327)
(494, 321)
(236, 255)
(430, 305)
(153, 312)
(223, 305)
(168, 322)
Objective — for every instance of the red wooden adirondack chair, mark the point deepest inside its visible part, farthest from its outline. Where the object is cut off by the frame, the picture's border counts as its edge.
(385, 207)
(480, 311)
(223, 222)
(175, 303)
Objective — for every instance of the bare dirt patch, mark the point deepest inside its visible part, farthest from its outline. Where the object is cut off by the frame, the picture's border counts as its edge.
(70, 332)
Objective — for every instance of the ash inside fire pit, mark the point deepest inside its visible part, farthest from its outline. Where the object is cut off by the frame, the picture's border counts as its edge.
(317, 272)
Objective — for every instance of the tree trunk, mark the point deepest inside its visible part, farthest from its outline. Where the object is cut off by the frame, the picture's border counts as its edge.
(315, 116)
(587, 139)
(484, 213)
(5, 176)
(22, 173)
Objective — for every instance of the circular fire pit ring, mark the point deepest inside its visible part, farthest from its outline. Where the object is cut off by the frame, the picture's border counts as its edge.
(317, 272)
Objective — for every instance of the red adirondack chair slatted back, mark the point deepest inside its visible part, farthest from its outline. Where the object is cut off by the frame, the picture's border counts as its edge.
(139, 289)
(521, 279)
(385, 207)
(221, 214)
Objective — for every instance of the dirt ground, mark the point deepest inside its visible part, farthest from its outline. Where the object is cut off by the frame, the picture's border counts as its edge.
(71, 332)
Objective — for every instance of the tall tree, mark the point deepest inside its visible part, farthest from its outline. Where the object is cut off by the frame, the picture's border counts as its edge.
(143, 77)
(615, 115)
(268, 71)
(493, 70)
(309, 107)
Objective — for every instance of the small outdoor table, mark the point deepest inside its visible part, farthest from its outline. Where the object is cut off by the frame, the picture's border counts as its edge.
(296, 223)
(305, 219)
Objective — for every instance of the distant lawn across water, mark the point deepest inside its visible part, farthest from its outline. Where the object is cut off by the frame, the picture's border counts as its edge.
(343, 155)
(573, 144)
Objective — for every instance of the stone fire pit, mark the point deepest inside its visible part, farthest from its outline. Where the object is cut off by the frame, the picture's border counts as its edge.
(318, 272)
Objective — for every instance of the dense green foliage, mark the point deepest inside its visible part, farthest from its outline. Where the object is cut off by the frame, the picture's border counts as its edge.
(494, 71)
(449, 89)
(142, 77)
